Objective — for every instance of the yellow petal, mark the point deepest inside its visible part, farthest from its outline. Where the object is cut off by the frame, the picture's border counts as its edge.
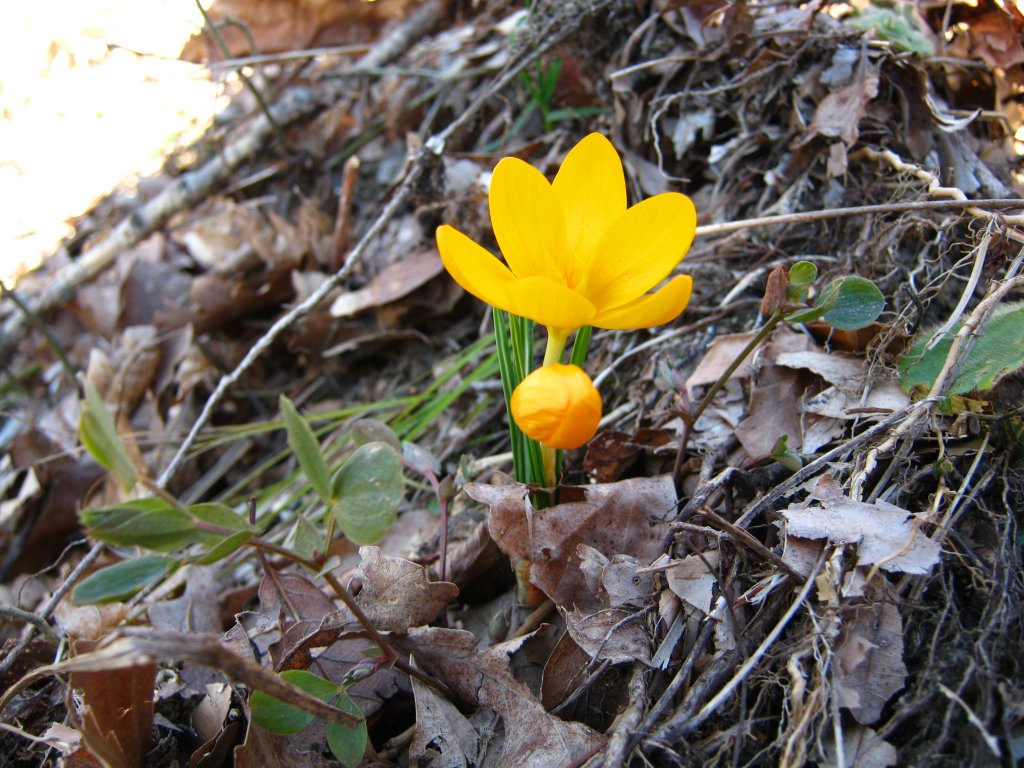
(592, 189)
(656, 308)
(473, 267)
(550, 304)
(528, 221)
(640, 249)
(557, 405)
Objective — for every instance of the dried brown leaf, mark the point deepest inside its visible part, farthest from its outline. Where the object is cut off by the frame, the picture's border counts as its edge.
(613, 634)
(629, 517)
(862, 747)
(871, 668)
(395, 593)
(396, 280)
(482, 679)
(885, 534)
(693, 579)
(442, 736)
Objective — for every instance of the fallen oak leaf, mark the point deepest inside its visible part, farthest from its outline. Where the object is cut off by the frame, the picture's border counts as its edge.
(629, 517)
(395, 593)
(482, 679)
(885, 535)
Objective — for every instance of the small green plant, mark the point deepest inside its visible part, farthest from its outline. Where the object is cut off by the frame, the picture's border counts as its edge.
(997, 351)
(361, 498)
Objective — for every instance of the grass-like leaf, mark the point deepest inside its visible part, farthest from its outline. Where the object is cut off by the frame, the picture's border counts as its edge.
(307, 450)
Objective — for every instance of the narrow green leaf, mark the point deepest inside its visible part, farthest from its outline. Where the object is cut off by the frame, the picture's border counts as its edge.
(274, 715)
(100, 437)
(122, 580)
(857, 302)
(222, 516)
(369, 488)
(306, 448)
(225, 547)
(347, 744)
(808, 315)
(580, 345)
(150, 523)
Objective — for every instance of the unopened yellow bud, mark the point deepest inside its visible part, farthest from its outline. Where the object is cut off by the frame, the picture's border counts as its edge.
(558, 406)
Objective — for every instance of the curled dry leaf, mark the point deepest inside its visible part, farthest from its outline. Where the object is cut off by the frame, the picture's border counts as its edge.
(395, 593)
(395, 281)
(612, 634)
(693, 579)
(629, 518)
(619, 580)
(482, 679)
(442, 736)
(862, 747)
(885, 535)
(871, 667)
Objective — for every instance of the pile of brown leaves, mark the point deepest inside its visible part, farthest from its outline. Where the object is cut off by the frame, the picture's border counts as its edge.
(856, 599)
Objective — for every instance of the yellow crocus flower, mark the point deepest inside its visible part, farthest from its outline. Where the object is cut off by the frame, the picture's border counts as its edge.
(558, 406)
(576, 254)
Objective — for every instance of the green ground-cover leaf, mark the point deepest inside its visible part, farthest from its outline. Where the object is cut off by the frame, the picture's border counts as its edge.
(150, 523)
(347, 744)
(369, 487)
(998, 350)
(124, 579)
(847, 303)
(276, 716)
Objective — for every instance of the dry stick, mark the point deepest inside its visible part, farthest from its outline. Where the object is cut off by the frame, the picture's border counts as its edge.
(682, 724)
(628, 722)
(809, 470)
(972, 206)
(193, 187)
(740, 536)
(246, 80)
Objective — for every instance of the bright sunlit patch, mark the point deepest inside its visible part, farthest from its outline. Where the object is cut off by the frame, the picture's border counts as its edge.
(91, 94)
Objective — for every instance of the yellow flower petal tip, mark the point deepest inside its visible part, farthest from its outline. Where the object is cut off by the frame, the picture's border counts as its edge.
(575, 236)
(558, 406)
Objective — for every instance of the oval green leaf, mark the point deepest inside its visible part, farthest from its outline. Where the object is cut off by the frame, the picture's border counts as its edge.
(150, 523)
(855, 303)
(224, 547)
(997, 351)
(307, 451)
(347, 744)
(374, 430)
(369, 488)
(272, 714)
(122, 580)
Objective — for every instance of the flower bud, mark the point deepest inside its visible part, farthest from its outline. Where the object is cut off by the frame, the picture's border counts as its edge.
(558, 406)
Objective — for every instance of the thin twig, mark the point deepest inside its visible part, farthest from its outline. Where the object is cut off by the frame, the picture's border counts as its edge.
(804, 217)
(79, 570)
(676, 728)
